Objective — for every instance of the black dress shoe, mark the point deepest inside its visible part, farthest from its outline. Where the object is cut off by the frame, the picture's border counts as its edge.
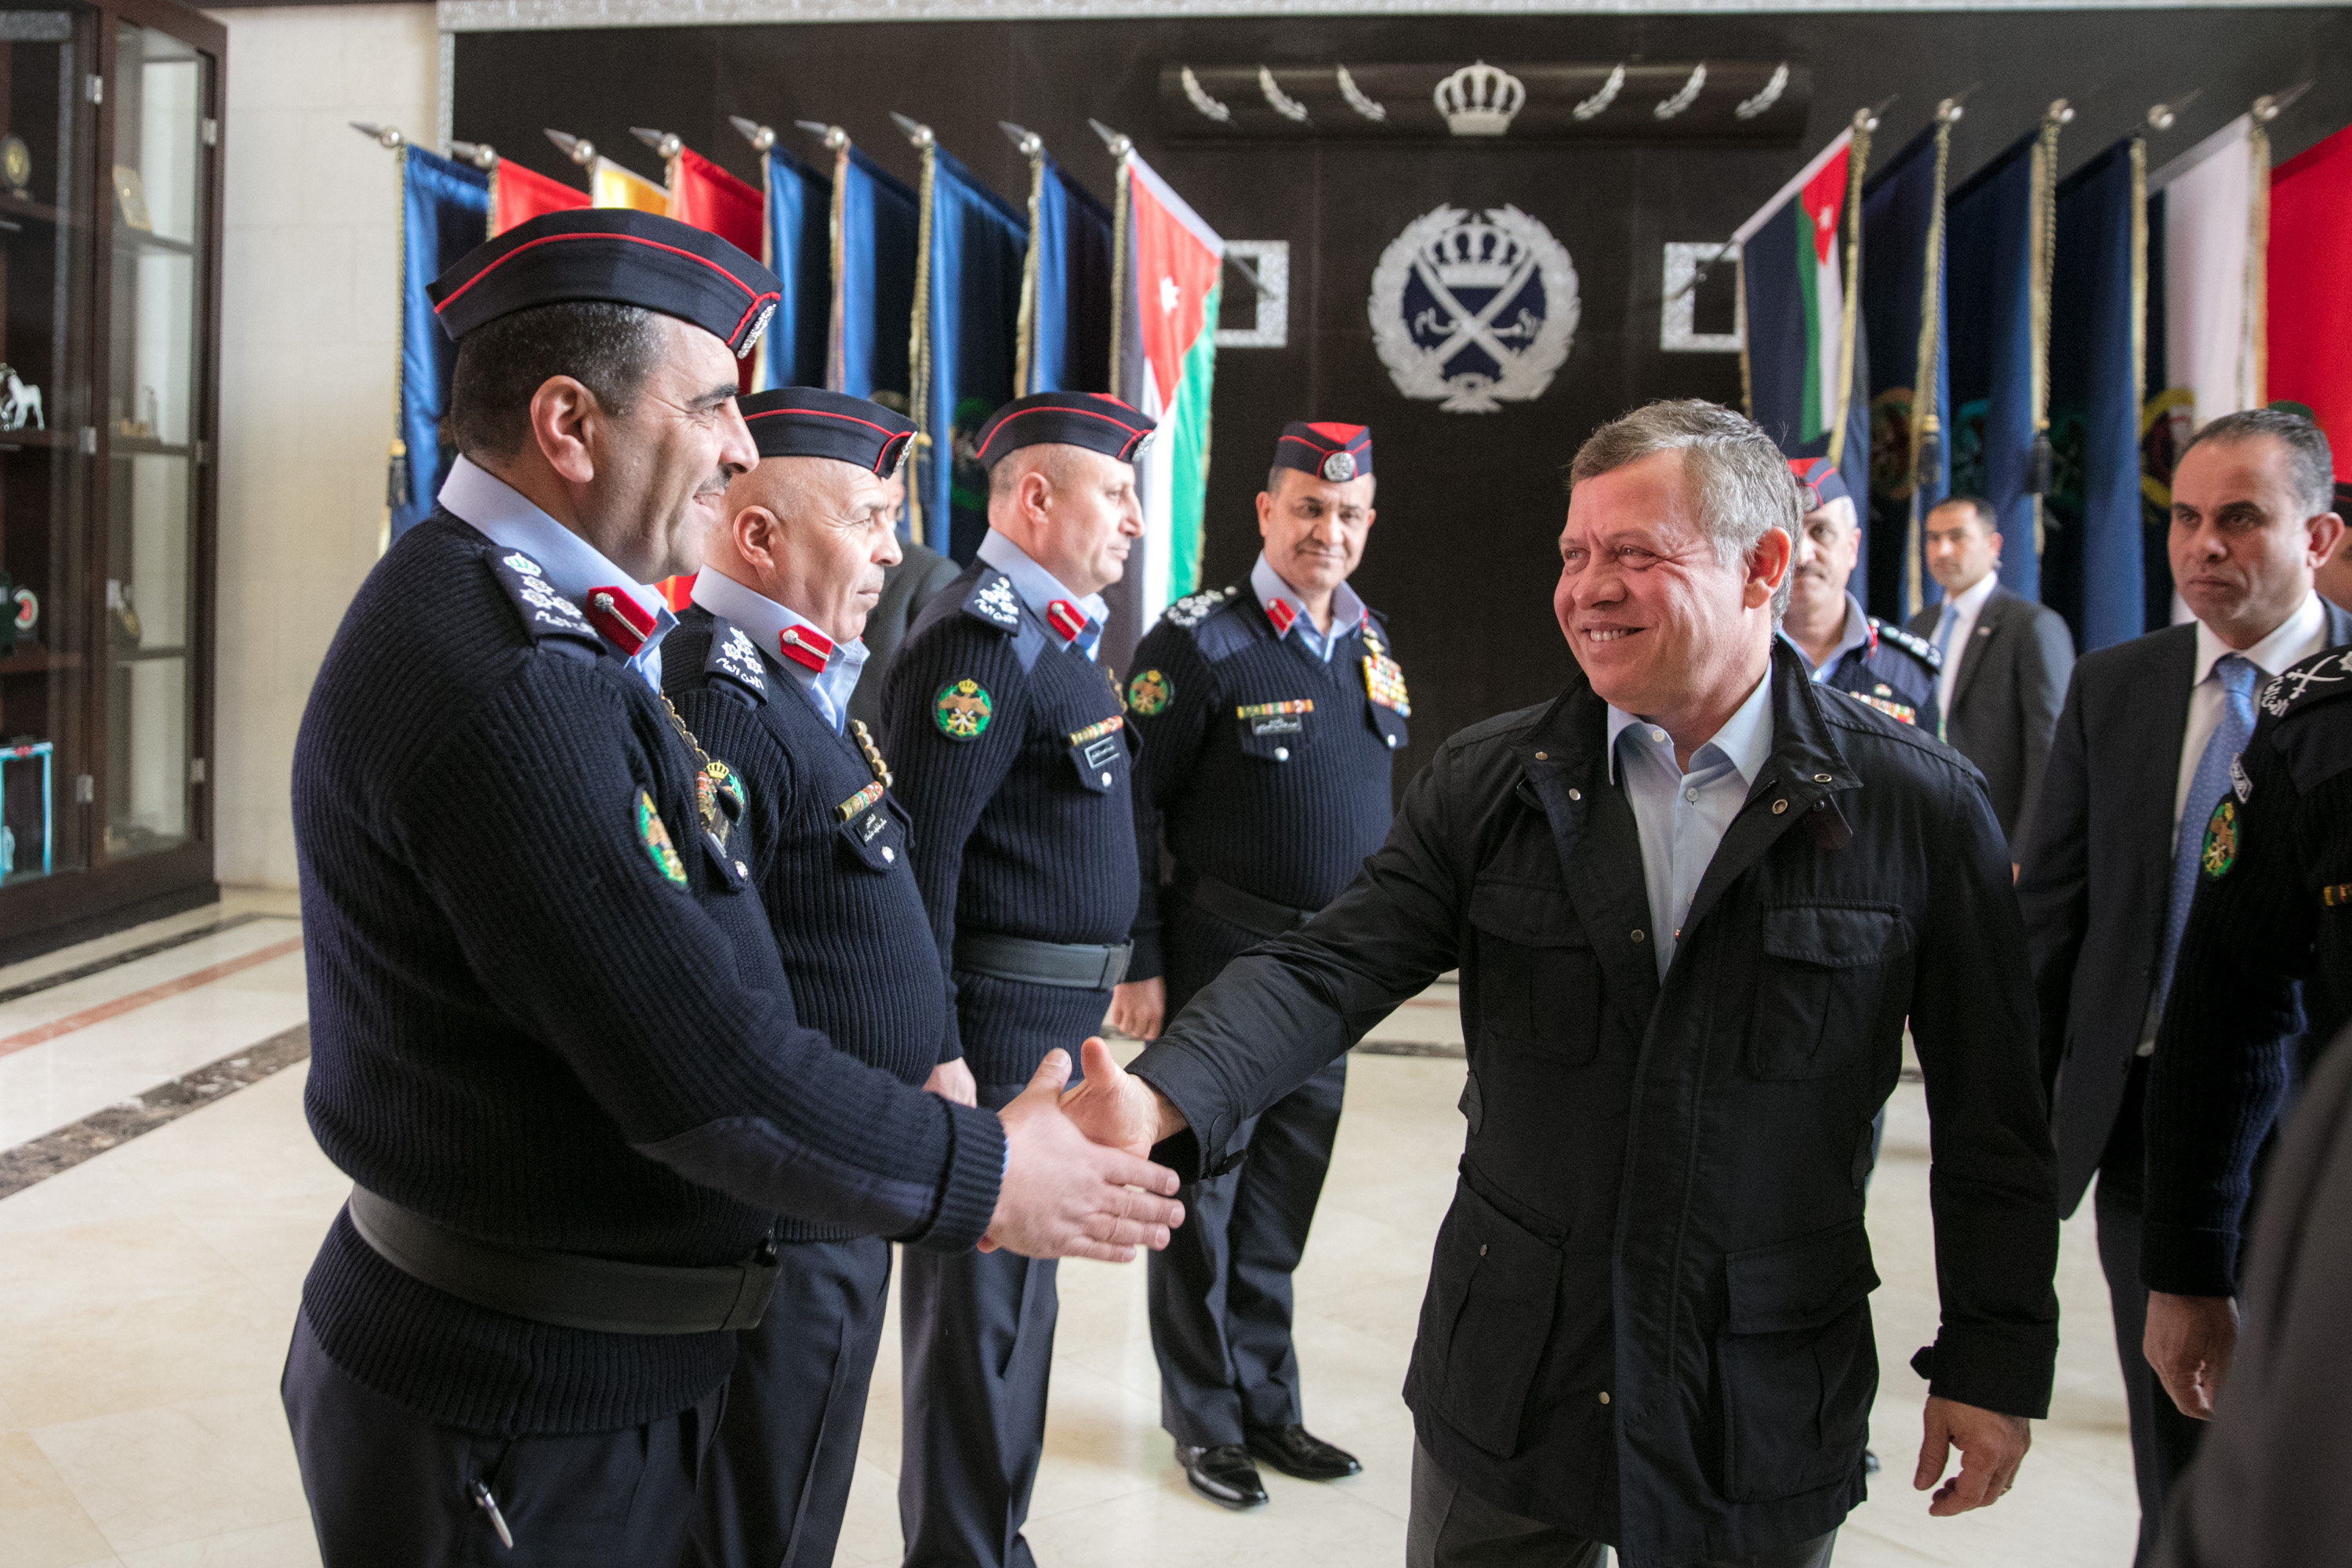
(1222, 1474)
(1295, 1451)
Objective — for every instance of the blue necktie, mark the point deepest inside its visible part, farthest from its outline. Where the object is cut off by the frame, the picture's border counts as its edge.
(2206, 789)
(1944, 629)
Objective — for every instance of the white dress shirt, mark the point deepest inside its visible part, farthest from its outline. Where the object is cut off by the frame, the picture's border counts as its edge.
(1681, 817)
(495, 510)
(1347, 609)
(2298, 637)
(764, 621)
(1963, 607)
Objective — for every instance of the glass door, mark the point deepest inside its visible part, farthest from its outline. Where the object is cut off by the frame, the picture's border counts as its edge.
(47, 120)
(163, 202)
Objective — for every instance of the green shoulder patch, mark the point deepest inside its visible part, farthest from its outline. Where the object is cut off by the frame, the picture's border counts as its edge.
(961, 709)
(654, 834)
(1151, 693)
(2220, 851)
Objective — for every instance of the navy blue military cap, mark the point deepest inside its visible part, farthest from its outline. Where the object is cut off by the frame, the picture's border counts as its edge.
(810, 422)
(1818, 482)
(1088, 420)
(615, 256)
(1334, 452)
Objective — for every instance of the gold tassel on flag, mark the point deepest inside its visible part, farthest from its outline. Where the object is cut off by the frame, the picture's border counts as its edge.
(1120, 147)
(1032, 146)
(836, 142)
(918, 337)
(2042, 236)
(1857, 160)
(1928, 427)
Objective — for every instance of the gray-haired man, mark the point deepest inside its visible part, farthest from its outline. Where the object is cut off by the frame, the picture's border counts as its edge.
(1693, 900)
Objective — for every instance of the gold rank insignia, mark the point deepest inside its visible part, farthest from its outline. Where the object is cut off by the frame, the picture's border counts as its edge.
(1149, 692)
(2221, 850)
(961, 709)
(653, 833)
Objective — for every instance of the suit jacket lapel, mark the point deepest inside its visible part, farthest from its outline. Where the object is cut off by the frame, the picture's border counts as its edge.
(2161, 717)
(1997, 608)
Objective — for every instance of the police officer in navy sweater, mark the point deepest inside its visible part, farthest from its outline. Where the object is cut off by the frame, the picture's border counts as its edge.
(1012, 761)
(1859, 654)
(762, 667)
(552, 1042)
(1267, 715)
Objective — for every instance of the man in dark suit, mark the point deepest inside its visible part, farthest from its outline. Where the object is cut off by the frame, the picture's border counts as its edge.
(2006, 659)
(2143, 745)
(907, 587)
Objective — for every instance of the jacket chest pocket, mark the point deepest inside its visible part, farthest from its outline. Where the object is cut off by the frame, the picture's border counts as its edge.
(1820, 985)
(1098, 752)
(1494, 1290)
(1796, 1364)
(876, 837)
(1389, 726)
(1538, 980)
(1275, 733)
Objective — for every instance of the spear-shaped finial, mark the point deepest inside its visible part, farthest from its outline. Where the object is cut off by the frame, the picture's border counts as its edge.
(480, 154)
(2060, 110)
(760, 137)
(384, 136)
(915, 131)
(667, 144)
(833, 136)
(2271, 105)
(579, 149)
(2166, 115)
(1118, 144)
(1028, 143)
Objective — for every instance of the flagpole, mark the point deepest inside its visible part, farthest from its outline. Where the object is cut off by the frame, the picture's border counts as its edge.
(1857, 158)
(918, 337)
(836, 142)
(1927, 430)
(2042, 241)
(1120, 147)
(1032, 146)
(761, 138)
(396, 478)
(2266, 109)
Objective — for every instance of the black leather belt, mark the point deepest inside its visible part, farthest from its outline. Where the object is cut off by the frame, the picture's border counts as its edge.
(566, 1288)
(1259, 917)
(1076, 965)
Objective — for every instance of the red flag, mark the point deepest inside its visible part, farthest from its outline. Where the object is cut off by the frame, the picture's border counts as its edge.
(2311, 289)
(518, 195)
(712, 200)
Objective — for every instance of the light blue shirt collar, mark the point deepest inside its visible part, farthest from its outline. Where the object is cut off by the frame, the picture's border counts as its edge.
(1347, 609)
(1744, 740)
(1856, 633)
(495, 510)
(765, 621)
(1039, 587)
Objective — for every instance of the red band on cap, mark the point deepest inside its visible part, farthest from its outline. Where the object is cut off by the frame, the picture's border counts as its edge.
(1133, 434)
(757, 298)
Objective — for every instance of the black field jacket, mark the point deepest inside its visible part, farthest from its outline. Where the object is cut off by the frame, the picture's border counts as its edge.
(1647, 1316)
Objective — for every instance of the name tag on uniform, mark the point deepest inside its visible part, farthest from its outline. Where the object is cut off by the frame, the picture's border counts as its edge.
(1094, 748)
(1274, 718)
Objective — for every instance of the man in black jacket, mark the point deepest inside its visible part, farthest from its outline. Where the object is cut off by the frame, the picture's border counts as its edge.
(551, 1040)
(2006, 660)
(1693, 902)
(2140, 758)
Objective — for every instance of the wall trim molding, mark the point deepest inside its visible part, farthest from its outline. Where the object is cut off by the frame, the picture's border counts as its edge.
(525, 15)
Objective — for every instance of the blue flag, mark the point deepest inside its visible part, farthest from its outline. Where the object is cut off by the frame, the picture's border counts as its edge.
(1910, 368)
(967, 323)
(800, 220)
(444, 212)
(2092, 570)
(1994, 262)
(1065, 298)
(874, 231)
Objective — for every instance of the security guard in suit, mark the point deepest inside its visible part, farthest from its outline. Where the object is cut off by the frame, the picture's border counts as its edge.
(1859, 654)
(1013, 759)
(1269, 713)
(760, 666)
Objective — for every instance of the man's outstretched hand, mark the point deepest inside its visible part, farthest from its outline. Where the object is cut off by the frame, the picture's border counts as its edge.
(1115, 1108)
(1992, 1447)
(1065, 1196)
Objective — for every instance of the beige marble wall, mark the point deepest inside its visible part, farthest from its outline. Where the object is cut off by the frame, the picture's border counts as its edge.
(308, 334)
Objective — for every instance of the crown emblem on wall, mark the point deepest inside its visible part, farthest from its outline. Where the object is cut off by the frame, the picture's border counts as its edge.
(1474, 256)
(1479, 99)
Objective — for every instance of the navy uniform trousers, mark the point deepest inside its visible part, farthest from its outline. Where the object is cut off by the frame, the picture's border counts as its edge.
(1220, 1294)
(776, 1484)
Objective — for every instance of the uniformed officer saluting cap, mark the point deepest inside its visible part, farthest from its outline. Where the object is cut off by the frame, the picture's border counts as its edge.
(620, 257)
(810, 422)
(1337, 453)
(1089, 419)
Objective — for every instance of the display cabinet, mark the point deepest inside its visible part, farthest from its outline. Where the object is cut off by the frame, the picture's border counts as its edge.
(109, 248)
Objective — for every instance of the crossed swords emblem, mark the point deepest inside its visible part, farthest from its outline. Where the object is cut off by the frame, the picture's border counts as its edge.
(1469, 326)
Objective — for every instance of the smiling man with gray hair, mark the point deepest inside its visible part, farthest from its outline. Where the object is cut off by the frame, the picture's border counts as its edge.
(1693, 900)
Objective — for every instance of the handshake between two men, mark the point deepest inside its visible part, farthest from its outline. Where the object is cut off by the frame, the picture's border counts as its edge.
(1079, 1177)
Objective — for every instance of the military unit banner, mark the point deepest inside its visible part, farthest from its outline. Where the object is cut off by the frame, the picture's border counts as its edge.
(443, 213)
(877, 224)
(966, 320)
(1907, 326)
(798, 231)
(518, 195)
(1066, 287)
(2310, 289)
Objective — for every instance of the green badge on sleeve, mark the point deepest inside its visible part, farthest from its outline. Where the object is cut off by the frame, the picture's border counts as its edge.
(2220, 851)
(654, 834)
(961, 709)
(1149, 692)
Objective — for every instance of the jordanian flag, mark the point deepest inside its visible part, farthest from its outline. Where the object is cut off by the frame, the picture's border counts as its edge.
(1165, 283)
(1793, 285)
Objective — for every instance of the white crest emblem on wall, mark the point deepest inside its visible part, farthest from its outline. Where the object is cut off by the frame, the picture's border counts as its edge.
(1474, 312)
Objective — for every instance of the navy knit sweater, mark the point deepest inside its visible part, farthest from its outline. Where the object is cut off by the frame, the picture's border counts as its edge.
(1022, 827)
(528, 1024)
(1284, 805)
(837, 882)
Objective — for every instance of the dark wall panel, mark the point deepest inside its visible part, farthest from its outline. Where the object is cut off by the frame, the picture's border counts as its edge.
(1462, 558)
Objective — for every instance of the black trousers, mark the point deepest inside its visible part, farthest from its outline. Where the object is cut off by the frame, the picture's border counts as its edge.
(1452, 1528)
(776, 1482)
(976, 1337)
(390, 1489)
(1220, 1295)
(2163, 1440)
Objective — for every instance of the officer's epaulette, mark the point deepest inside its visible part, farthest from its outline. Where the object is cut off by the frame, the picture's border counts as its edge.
(993, 600)
(1193, 608)
(2322, 678)
(1918, 647)
(1216, 631)
(735, 658)
(546, 613)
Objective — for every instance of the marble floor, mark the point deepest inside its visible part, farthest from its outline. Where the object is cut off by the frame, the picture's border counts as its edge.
(147, 1290)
